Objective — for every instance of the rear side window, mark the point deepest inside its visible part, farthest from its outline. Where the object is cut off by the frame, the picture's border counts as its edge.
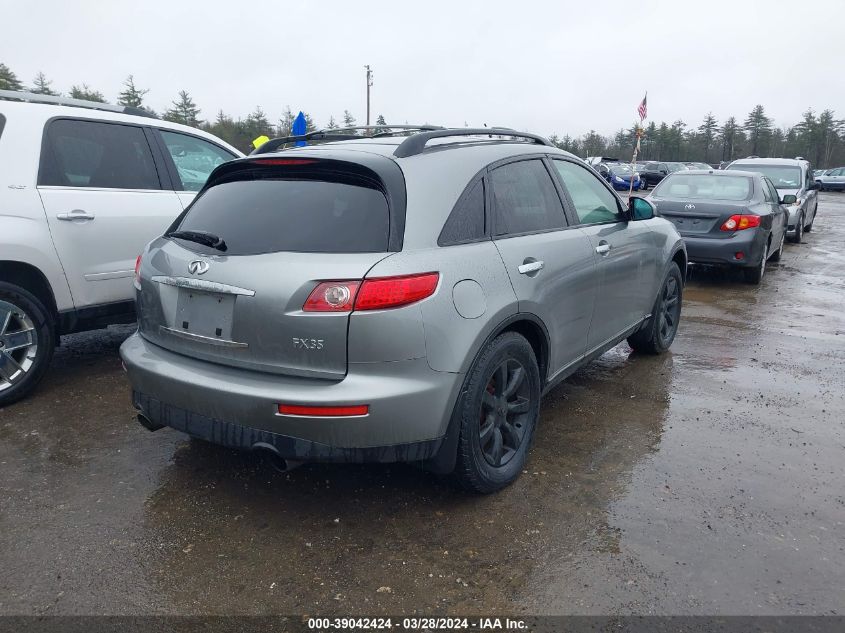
(466, 222)
(95, 154)
(525, 199)
(194, 158)
(306, 214)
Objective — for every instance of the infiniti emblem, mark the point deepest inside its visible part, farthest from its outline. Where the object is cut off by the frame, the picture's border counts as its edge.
(689, 207)
(198, 267)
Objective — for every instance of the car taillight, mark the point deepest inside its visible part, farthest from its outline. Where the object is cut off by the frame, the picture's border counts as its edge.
(332, 296)
(392, 292)
(378, 293)
(137, 281)
(740, 222)
(283, 161)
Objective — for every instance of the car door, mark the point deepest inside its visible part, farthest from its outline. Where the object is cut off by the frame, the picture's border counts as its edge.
(780, 216)
(627, 255)
(190, 160)
(104, 200)
(551, 266)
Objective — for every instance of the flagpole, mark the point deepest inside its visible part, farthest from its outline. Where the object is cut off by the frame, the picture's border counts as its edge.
(637, 136)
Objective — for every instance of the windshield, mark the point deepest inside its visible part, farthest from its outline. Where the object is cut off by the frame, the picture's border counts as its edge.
(782, 176)
(698, 166)
(704, 187)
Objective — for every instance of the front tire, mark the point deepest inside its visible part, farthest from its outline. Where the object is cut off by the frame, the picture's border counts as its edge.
(656, 336)
(799, 230)
(27, 341)
(498, 412)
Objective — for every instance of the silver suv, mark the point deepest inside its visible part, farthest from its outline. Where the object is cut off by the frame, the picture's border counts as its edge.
(395, 298)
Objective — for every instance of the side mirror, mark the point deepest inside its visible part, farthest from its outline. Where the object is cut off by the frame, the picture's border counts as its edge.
(665, 172)
(789, 199)
(640, 208)
(816, 186)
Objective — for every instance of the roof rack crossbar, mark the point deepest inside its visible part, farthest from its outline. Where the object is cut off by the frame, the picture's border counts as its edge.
(339, 134)
(32, 97)
(414, 145)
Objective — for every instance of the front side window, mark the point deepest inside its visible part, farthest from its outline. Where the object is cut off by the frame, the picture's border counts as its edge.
(95, 154)
(593, 203)
(525, 199)
(194, 158)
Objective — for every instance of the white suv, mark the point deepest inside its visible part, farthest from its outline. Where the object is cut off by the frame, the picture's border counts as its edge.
(83, 187)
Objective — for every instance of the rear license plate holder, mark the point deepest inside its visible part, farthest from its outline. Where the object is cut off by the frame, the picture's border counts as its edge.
(205, 313)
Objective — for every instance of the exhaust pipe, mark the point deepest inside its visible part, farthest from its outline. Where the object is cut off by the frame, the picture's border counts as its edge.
(271, 455)
(149, 424)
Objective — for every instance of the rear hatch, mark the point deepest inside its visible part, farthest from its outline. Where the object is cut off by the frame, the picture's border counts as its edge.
(287, 225)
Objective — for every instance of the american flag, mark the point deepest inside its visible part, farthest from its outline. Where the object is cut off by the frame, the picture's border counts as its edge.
(643, 108)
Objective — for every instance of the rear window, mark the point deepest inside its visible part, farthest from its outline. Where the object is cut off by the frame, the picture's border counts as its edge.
(705, 187)
(782, 176)
(302, 214)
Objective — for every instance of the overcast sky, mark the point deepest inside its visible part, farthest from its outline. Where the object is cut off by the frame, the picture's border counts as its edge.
(553, 66)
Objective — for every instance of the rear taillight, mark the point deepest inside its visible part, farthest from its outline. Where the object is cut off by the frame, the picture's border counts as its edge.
(137, 281)
(392, 292)
(740, 222)
(379, 293)
(332, 296)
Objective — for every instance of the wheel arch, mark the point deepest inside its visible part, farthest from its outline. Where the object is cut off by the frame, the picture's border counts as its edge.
(31, 279)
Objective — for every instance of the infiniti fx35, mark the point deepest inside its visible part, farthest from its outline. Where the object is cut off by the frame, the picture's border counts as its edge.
(395, 299)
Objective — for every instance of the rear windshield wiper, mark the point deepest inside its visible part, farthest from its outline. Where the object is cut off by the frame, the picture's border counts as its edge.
(200, 237)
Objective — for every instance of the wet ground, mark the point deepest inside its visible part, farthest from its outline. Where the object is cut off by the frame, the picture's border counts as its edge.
(708, 480)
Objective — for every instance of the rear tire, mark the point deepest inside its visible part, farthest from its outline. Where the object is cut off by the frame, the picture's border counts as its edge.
(656, 336)
(27, 342)
(754, 275)
(498, 413)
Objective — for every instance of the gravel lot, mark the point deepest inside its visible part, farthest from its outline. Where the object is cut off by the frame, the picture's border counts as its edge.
(709, 480)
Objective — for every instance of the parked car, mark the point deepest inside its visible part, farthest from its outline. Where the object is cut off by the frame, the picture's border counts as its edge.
(619, 175)
(820, 172)
(791, 176)
(395, 299)
(693, 165)
(83, 187)
(728, 218)
(831, 179)
(655, 171)
(592, 161)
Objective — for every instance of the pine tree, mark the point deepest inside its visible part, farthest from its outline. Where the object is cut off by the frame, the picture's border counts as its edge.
(131, 95)
(332, 125)
(310, 125)
(41, 86)
(86, 93)
(286, 122)
(348, 120)
(184, 111)
(382, 125)
(707, 134)
(759, 128)
(730, 137)
(257, 124)
(8, 79)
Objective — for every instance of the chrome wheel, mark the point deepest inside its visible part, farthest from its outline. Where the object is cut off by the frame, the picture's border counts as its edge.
(505, 407)
(18, 344)
(670, 310)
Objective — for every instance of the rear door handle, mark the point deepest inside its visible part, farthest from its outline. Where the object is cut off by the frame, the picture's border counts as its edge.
(603, 249)
(530, 267)
(76, 214)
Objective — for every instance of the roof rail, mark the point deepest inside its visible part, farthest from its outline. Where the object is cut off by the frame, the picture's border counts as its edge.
(415, 144)
(32, 97)
(342, 134)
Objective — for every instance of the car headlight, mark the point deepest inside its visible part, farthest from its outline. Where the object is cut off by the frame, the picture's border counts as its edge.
(618, 179)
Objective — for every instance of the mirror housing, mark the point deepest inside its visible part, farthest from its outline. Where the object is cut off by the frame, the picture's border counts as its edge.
(640, 209)
(816, 186)
(789, 199)
(665, 172)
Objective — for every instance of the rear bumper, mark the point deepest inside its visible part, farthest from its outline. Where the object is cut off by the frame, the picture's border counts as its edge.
(706, 250)
(409, 406)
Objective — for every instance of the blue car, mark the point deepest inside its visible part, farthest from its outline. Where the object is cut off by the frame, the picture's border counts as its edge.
(619, 176)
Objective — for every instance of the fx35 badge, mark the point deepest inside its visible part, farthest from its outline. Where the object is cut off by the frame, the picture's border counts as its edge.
(307, 343)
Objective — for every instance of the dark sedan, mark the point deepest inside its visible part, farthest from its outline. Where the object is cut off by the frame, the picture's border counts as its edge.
(652, 172)
(728, 218)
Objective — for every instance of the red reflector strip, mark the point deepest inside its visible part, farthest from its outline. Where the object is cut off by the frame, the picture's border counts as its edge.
(283, 161)
(335, 412)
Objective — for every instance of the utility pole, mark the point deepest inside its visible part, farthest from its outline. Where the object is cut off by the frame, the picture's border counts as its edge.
(369, 85)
